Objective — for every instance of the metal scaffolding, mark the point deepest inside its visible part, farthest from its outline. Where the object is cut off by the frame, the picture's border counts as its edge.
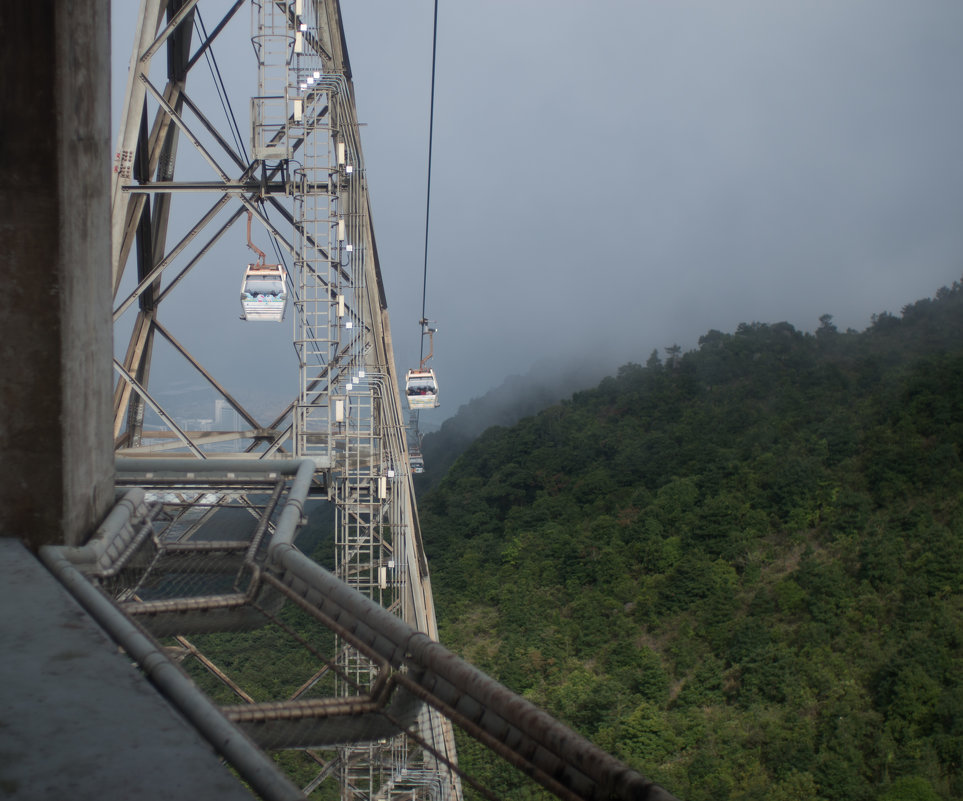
(303, 181)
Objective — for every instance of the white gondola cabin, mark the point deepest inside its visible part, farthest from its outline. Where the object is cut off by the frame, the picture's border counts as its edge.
(264, 293)
(417, 461)
(421, 388)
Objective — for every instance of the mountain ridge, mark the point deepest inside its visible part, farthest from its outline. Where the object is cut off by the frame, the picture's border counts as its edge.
(739, 571)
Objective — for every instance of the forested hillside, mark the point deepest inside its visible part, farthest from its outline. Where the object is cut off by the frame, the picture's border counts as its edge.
(739, 571)
(518, 396)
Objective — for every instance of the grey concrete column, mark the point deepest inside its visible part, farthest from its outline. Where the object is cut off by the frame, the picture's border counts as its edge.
(56, 461)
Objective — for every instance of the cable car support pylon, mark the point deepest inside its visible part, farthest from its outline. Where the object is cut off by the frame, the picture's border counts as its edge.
(304, 184)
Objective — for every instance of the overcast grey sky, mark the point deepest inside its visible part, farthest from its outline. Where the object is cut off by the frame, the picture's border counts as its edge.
(614, 176)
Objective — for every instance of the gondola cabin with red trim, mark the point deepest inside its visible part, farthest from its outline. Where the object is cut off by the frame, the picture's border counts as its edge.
(421, 388)
(263, 293)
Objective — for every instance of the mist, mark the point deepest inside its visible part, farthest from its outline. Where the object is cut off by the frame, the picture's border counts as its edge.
(613, 177)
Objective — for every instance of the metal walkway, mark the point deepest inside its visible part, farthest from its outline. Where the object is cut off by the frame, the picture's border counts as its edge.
(170, 585)
(77, 721)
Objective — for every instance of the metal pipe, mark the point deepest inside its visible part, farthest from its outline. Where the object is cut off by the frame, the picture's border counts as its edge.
(448, 682)
(293, 511)
(116, 525)
(452, 683)
(253, 765)
(560, 751)
(181, 464)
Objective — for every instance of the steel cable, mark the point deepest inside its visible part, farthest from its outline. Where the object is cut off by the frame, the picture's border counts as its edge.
(431, 131)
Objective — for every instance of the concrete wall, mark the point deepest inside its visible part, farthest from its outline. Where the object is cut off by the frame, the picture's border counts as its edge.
(56, 461)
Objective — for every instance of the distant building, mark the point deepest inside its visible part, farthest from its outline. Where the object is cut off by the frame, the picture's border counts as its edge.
(225, 418)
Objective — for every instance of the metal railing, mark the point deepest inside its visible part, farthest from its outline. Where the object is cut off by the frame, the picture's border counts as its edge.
(270, 574)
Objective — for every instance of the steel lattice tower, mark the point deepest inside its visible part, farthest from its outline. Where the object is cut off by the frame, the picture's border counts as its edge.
(303, 181)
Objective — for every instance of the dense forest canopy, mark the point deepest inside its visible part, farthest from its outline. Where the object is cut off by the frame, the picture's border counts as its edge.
(518, 396)
(739, 570)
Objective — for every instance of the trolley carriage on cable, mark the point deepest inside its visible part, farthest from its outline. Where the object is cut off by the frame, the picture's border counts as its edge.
(264, 291)
(421, 387)
(416, 460)
(421, 384)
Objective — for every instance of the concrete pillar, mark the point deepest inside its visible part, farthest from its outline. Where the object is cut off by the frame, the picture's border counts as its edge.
(56, 460)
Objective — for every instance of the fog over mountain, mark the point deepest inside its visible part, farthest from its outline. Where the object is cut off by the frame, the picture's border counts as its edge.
(613, 177)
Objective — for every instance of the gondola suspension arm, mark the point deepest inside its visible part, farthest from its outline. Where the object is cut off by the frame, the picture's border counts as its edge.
(261, 258)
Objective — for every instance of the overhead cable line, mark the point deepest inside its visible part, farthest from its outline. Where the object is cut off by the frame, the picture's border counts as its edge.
(225, 100)
(222, 92)
(431, 131)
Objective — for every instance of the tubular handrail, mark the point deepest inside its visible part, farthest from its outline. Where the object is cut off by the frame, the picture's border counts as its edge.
(560, 759)
(254, 766)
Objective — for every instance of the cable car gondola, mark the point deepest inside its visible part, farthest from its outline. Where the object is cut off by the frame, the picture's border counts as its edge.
(264, 291)
(421, 387)
(421, 384)
(416, 460)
